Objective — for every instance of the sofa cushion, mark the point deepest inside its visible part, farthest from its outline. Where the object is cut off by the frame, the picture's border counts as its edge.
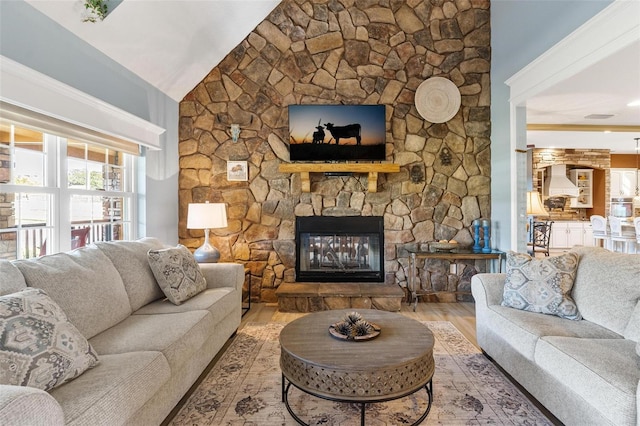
(522, 329)
(606, 287)
(220, 302)
(177, 273)
(178, 336)
(39, 347)
(632, 330)
(112, 392)
(11, 279)
(130, 259)
(541, 285)
(603, 372)
(84, 283)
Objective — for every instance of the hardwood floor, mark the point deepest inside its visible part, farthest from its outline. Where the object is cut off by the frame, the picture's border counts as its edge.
(461, 315)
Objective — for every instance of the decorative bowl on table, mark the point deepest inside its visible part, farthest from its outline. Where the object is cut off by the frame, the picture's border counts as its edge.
(354, 327)
(443, 246)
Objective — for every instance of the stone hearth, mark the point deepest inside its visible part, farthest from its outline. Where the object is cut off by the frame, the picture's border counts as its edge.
(312, 297)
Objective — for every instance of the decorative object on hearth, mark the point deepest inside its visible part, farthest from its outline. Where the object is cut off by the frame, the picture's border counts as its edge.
(476, 235)
(354, 327)
(437, 99)
(235, 132)
(417, 173)
(485, 229)
(445, 156)
(205, 216)
(443, 245)
(237, 171)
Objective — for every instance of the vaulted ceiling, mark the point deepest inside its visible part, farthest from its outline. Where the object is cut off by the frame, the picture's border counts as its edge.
(173, 44)
(170, 44)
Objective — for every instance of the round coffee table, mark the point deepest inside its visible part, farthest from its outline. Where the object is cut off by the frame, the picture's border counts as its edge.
(392, 365)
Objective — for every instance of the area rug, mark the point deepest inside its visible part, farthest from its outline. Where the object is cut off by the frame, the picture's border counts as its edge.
(244, 388)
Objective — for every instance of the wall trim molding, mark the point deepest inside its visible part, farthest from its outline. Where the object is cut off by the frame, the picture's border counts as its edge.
(614, 28)
(37, 92)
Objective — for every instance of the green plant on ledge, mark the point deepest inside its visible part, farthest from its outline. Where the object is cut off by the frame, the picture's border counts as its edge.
(97, 10)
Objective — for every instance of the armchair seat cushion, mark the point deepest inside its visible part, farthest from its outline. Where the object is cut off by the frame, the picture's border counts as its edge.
(220, 302)
(178, 336)
(113, 391)
(524, 328)
(602, 371)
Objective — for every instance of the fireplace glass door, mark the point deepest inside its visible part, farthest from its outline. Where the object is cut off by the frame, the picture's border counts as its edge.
(339, 249)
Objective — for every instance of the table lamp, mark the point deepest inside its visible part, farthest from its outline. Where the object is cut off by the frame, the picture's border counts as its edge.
(534, 208)
(206, 216)
(534, 204)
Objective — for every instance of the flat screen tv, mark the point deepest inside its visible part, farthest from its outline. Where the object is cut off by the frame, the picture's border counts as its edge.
(337, 132)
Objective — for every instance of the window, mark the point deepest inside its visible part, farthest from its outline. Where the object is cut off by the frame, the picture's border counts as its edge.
(52, 187)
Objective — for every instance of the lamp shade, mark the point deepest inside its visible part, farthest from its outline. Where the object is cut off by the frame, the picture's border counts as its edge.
(534, 204)
(206, 215)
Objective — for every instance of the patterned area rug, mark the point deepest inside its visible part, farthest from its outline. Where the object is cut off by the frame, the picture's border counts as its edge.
(244, 388)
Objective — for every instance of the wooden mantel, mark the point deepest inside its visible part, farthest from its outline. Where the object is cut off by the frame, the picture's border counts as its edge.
(371, 168)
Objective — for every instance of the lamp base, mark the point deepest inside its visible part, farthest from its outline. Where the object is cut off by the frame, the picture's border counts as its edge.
(207, 254)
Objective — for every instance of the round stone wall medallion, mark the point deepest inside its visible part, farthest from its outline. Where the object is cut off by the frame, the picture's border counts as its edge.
(437, 99)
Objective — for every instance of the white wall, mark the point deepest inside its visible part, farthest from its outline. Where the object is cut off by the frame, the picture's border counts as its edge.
(32, 39)
(520, 32)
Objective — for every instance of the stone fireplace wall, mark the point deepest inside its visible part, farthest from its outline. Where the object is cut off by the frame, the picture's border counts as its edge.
(350, 52)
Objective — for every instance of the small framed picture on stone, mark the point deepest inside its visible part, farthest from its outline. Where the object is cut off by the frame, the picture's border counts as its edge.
(237, 170)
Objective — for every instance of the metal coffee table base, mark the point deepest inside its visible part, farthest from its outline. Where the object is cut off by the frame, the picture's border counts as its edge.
(286, 385)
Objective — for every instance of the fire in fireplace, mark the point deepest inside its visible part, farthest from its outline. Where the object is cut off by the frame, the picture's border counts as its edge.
(340, 249)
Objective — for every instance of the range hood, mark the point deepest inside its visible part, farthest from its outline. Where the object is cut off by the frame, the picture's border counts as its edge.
(558, 184)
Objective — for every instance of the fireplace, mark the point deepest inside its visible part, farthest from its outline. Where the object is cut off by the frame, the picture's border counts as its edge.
(340, 249)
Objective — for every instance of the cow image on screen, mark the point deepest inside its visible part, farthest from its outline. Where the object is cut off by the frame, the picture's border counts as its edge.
(344, 132)
(318, 135)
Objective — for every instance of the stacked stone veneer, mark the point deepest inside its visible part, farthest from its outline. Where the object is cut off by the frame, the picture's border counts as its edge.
(351, 52)
(572, 158)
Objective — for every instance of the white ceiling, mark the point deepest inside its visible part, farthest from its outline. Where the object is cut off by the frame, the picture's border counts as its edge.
(173, 44)
(604, 88)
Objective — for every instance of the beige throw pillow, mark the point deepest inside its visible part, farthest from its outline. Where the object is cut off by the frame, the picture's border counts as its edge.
(39, 347)
(177, 273)
(541, 285)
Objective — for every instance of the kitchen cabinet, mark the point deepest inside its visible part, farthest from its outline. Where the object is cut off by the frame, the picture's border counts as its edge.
(623, 183)
(583, 179)
(567, 234)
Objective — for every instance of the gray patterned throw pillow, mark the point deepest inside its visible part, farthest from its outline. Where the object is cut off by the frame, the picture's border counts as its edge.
(177, 273)
(541, 285)
(39, 347)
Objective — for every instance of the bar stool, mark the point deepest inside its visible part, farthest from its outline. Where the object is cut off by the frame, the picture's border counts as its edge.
(618, 235)
(601, 237)
(636, 225)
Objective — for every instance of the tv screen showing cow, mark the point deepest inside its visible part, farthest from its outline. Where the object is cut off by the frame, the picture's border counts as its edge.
(337, 132)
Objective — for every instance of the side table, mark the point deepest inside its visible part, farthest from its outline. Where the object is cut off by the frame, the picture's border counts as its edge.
(452, 256)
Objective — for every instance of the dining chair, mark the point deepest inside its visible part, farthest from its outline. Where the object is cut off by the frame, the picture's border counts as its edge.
(541, 238)
(601, 236)
(626, 237)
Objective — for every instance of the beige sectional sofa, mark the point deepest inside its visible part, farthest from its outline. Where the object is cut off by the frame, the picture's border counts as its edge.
(150, 350)
(585, 372)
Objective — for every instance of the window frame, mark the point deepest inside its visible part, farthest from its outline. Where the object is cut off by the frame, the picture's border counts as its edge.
(56, 187)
